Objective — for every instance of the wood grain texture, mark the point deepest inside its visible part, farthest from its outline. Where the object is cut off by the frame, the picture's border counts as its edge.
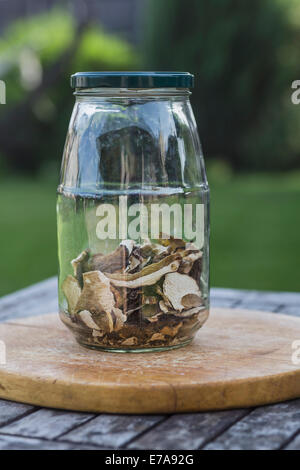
(21, 443)
(294, 443)
(58, 423)
(266, 428)
(292, 310)
(10, 411)
(37, 299)
(187, 431)
(111, 431)
(240, 359)
(25, 443)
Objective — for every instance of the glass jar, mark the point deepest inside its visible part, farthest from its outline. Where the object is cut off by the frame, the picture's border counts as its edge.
(133, 214)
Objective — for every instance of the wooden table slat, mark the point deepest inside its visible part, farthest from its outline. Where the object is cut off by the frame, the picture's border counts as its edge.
(265, 428)
(34, 300)
(293, 310)
(10, 411)
(8, 442)
(225, 303)
(280, 298)
(112, 431)
(257, 304)
(187, 431)
(46, 423)
(294, 444)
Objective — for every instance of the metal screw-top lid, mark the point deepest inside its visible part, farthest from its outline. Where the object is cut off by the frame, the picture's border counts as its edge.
(132, 80)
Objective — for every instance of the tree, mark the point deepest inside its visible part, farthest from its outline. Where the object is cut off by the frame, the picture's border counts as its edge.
(245, 57)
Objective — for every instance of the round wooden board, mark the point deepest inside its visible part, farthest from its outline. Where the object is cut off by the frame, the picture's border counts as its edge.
(240, 358)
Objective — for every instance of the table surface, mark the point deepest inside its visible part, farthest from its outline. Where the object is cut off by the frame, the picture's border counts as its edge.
(267, 427)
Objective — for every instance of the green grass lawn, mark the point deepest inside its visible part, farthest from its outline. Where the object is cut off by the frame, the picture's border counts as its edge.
(28, 233)
(255, 224)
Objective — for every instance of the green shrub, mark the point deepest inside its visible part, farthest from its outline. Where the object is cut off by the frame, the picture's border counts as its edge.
(245, 56)
(37, 57)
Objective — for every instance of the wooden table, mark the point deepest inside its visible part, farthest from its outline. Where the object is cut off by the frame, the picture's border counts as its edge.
(269, 427)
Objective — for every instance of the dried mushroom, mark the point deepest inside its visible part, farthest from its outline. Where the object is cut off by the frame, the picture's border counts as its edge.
(129, 245)
(87, 318)
(178, 286)
(96, 295)
(118, 319)
(130, 341)
(138, 296)
(148, 276)
(162, 305)
(115, 261)
(191, 300)
(188, 262)
(119, 300)
(171, 331)
(79, 264)
(72, 291)
(157, 337)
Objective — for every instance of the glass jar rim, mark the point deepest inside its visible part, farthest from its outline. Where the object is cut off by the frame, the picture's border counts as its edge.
(131, 92)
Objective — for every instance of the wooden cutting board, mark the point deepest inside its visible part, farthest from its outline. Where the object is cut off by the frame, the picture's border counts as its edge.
(240, 358)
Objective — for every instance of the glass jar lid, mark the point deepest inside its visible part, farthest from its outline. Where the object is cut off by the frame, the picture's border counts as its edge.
(132, 80)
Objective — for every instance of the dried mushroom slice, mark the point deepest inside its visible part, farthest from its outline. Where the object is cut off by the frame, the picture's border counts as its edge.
(149, 310)
(129, 245)
(166, 301)
(203, 316)
(170, 241)
(149, 275)
(188, 262)
(189, 313)
(190, 246)
(98, 333)
(118, 319)
(96, 296)
(132, 300)
(196, 270)
(146, 249)
(79, 264)
(154, 250)
(137, 260)
(113, 262)
(134, 263)
(130, 341)
(87, 319)
(171, 330)
(163, 306)
(177, 286)
(72, 291)
(191, 300)
(148, 299)
(106, 321)
(157, 337)
(119, 300)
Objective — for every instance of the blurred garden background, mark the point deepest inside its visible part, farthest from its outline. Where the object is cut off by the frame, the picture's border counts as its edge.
(245, 56)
